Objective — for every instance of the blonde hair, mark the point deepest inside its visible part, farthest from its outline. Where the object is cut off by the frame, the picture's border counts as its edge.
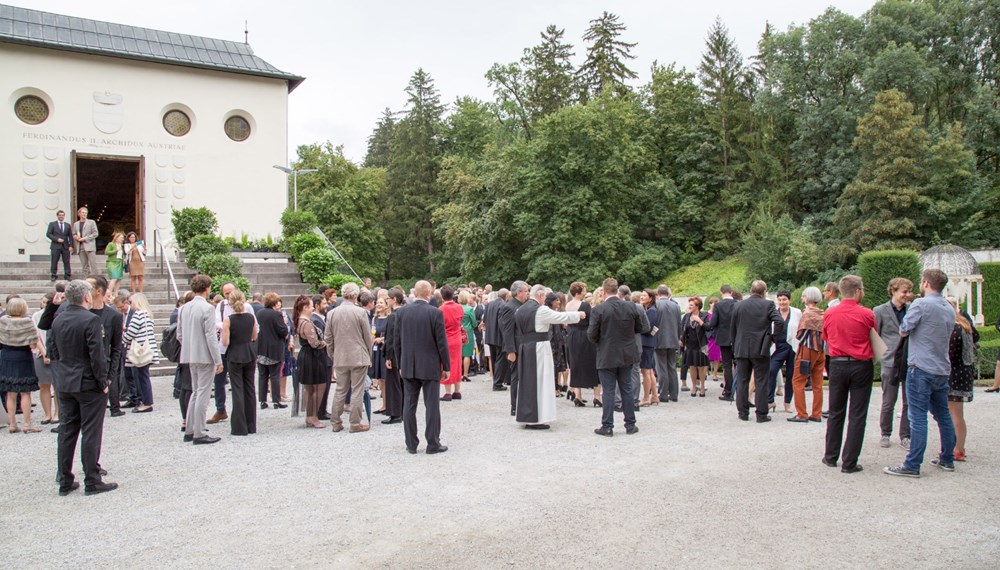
(140, 303)
(238, 301)
(17, 307)
(464, 297)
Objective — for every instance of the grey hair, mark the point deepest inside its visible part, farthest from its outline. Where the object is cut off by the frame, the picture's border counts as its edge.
(76, 291)
(538, 289)
(123, 295)
(663, 291)
(812, 295)
(350, 291)
(624, 291)
(502, 294)
(517, 286)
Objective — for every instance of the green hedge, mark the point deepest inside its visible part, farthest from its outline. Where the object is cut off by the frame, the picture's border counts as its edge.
(242, 283)
(316, 265)
(203, 245)
(301, 243)
(991, 291)
(219, 264)
(294, 223)
(877, 268)
(337, 280)
(191, 222)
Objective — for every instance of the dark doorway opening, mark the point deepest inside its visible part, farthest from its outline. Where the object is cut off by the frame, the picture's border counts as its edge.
(111, 188)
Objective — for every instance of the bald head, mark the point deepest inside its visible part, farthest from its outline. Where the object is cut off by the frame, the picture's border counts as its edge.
(423, 290)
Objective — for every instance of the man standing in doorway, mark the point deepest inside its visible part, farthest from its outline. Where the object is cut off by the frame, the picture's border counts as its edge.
(61, 236)
(85, 234)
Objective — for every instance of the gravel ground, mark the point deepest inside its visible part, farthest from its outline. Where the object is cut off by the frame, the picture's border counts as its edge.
(695, 488)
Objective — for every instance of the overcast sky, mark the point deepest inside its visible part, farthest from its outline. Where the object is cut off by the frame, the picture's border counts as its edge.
(357, 56)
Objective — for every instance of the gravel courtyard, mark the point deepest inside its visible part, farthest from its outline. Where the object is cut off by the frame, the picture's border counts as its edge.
(695, 488)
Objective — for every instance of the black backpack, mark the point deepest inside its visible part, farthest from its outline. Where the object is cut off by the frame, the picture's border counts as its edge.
(170, 347)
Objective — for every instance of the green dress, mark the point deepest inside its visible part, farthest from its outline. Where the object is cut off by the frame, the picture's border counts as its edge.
(469, 324)
(114, 263)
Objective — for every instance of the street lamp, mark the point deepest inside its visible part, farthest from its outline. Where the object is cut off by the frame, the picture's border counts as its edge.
(295, 182)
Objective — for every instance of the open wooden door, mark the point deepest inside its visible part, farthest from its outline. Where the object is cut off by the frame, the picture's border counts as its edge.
(140, 198)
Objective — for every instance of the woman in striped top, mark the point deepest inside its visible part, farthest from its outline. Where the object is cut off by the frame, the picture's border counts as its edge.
(139, 328)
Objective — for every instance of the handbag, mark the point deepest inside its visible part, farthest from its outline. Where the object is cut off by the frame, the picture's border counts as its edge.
(139, 353)
(465, 336)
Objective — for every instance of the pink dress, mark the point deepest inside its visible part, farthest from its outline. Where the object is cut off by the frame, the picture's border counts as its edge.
(714, 352)
(453, 313)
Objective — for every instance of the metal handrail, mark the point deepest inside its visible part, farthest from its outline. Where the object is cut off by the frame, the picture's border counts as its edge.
(158, 247)
(329, 244)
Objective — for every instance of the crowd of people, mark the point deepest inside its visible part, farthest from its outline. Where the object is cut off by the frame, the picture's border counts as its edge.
(91, 347)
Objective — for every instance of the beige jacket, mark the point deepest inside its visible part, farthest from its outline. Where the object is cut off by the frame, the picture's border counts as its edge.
(348, 336)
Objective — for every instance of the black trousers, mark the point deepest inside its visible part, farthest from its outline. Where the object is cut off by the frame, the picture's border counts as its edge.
(324, 409)
(114, 391)
(497, 356)
(432, 405)
(727, 370)
(269, 374)
(393, 394)
(244, 418)
(850, 394)
(184, 399)
(481, 365)
(81, 415)
(760, 367)
(56, 255)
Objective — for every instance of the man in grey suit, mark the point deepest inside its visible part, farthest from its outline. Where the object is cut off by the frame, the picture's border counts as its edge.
(200, 352)
(755, 323)
(667, 343)
(80, 368)
(85, 234)
(348, 336)
(888, 316)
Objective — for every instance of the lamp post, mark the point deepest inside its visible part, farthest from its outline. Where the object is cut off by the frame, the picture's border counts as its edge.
(295, 182)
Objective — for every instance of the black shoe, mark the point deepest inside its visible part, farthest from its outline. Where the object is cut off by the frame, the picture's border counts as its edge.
(618, 409)
(724, 398)
(855, 469)
(205, 440)
(324, 417)
(129, 405)
(745, 418)
(763, 419)
(499, 388)
(100, 488)
(393, 420)
(826, 415)
(829, 463)
(117, 413)
(631, 429)
(55, 429)
(379, 412)
(798, 420)
(278, 405)
(671, 399)
(263, 405)
(63, 491)
(536, 426)
(513, 413)
(817, 420)
(438, 449)
(188, 437)
(411, 451)
(605, 431)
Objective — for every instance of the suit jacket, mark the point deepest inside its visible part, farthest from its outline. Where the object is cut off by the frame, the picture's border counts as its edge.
(670, 332)
(421, 342)
(613, 327)
(390, 339)
(721, 323)
(196, 333)
(508, 332)
(888, 328)
(89, 234)
(754, 324)
(79, 360)
(272, 335)
(492, 320)
(111, 322)
(53, 234)
(348, 336)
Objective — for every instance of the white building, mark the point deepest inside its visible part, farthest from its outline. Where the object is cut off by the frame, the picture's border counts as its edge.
(133, 123)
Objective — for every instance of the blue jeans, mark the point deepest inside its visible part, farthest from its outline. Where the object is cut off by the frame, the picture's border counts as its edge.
(620, 378)
(928, 392)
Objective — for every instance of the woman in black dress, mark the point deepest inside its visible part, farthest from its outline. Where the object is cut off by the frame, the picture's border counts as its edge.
(557, 339)
(961, 350)
(694, 343)
(239, 334)
(377, 370)
(311, 365)
(581, 354)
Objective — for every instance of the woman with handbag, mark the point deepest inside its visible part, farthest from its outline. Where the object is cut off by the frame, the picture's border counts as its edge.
(135, 258)
(141, 350)
(115, 263)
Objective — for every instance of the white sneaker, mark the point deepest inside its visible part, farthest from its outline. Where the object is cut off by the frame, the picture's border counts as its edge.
(884, 442)
(905, 443)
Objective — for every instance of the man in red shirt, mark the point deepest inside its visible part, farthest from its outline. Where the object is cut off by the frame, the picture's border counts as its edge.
(846, 330)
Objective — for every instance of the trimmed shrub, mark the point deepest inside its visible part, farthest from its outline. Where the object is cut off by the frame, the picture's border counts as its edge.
(242, 283)
(991, 291)
(337, 280)
(877, 268)
(190, 222)
(316, 265)
(301, 243)
(202, 245)
(294, 223)
(219, 264)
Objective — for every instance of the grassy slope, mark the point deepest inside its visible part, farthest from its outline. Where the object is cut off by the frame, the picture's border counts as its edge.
(706, 277)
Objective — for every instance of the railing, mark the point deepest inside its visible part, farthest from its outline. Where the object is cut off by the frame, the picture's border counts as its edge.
(161, 254)
(329, 244)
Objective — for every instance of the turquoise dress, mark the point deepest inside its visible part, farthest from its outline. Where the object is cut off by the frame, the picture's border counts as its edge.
(469, 324)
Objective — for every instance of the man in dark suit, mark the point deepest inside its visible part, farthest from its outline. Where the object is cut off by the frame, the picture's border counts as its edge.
(80, 369)
(668, 338)
(60, 233)
(423, 363)
(493, 338)
(613, 326)
(111, 322)
(519, 291)
(721, 322)
(754, 324)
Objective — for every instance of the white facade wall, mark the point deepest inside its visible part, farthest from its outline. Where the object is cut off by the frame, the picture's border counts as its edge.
(203, 168)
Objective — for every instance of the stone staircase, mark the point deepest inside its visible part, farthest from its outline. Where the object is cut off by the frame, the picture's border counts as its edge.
(266, 272)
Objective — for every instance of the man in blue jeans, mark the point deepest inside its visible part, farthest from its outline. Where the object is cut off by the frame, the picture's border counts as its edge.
(928, 324)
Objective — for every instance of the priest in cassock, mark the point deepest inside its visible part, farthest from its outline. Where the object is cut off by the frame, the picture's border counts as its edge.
(536, 399)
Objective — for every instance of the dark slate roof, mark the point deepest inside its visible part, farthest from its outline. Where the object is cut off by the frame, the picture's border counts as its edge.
(56, 31)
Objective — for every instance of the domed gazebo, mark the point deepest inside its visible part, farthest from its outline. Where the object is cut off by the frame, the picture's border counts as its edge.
(965, 282)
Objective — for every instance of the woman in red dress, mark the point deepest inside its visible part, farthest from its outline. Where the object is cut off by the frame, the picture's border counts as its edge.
(453, 313)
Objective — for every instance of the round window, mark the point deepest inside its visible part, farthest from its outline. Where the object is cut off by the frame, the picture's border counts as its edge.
(176, 122)
(31, 109)
(237, 128)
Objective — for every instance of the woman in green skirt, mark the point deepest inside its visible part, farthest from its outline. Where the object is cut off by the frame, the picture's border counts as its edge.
(115, 262)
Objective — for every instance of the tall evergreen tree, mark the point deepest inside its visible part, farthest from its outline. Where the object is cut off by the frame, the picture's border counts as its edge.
(549, 74)
(605, 66)
(380, 141)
